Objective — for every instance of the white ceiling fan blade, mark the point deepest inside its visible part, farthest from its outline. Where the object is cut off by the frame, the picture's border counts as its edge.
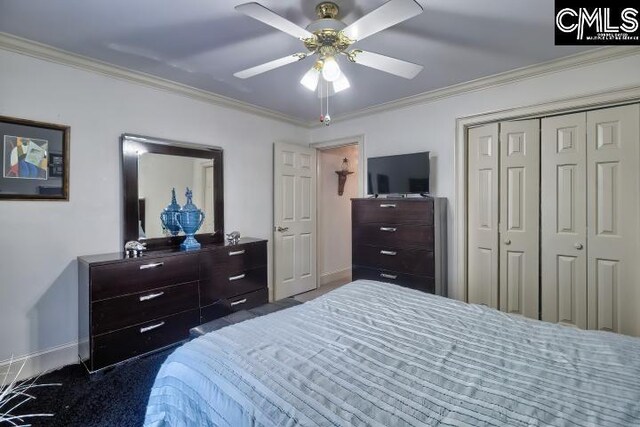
(268, 66)
(387, 15)
(384, 63)
(261, 13)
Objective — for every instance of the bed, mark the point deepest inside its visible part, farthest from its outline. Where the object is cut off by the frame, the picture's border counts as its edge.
(375, 354)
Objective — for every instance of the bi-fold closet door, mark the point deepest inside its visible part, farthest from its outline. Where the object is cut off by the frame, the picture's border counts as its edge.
(590, 249)
(504, 206)
(554, 218)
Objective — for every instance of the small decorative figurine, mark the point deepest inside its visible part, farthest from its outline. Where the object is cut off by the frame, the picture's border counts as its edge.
(133, 248)
(169, 215)
(233, 238)
(189, 219)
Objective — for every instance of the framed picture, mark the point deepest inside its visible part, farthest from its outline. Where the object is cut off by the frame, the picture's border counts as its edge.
(35, 160)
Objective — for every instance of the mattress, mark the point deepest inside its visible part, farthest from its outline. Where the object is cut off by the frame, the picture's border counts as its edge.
(375, 354)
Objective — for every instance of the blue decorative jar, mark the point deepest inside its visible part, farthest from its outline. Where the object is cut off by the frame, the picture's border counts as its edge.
(190, 219)
(169, 216)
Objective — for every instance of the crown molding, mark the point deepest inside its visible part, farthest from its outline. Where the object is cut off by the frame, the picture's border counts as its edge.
(45, 52)
(573, 61)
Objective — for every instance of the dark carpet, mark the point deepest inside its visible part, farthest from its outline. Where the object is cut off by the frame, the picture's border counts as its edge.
(117, 397)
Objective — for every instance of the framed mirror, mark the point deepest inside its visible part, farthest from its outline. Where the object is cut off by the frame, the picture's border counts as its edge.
(151, 169)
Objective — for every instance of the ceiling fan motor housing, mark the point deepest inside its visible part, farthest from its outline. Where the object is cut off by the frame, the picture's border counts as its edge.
(328, 40)
(328, 37)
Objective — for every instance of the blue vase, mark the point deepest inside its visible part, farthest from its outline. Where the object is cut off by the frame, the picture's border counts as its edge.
(190, 219)
(169, 215)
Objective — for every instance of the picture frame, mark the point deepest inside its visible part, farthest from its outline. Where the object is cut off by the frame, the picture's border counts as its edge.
(34, 160)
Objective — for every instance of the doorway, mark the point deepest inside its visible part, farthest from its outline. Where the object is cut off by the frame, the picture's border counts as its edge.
(339, 180)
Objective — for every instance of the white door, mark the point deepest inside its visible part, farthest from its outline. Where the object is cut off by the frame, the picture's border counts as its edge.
(613, 192)
(483, 215)
(294, 213)
(564, 220)
(519, 217)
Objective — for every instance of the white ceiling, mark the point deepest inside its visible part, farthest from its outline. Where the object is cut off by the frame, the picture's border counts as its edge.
(201, 43)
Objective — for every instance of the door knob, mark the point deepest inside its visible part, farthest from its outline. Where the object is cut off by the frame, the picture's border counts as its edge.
(507, 241)
(282, 229)
(578, 246)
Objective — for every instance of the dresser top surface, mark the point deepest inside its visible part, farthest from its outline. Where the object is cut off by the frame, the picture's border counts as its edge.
(115, 257)
(394, 199)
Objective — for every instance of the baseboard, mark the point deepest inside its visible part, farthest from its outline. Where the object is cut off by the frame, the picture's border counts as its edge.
(342, 275)
(43, 361)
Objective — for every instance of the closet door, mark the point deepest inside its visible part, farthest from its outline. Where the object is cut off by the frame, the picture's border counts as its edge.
(563, 237)
(613, 185)
(483, 215)
(519, 217)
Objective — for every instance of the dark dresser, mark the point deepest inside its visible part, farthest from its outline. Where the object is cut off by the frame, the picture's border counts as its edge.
(401, 241)
(132, 306)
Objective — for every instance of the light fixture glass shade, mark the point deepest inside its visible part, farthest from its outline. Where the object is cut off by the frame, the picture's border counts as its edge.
(310, 79)
(330, 70)
(341, 84)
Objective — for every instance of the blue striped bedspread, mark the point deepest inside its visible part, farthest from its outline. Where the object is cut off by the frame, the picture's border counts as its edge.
(374, 354)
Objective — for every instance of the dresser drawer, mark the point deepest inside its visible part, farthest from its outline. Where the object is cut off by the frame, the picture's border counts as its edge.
(120, 345)
(392, 211)
(230, 285)
(227, 306)
(394, 235)
(113, 280)
(412, 261)
(422, 283)
(233, 260)
(117, 313)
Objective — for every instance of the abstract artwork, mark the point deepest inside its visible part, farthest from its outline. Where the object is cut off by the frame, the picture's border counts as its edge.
(34, 159)
(25, 158)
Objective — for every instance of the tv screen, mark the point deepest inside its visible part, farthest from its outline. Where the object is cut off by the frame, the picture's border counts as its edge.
(403, 174)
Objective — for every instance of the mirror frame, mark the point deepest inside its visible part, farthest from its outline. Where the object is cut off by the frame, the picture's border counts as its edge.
(131, 146)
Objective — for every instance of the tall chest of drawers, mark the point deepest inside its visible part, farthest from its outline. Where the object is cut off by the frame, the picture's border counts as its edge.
(132, 306)
(401, 241)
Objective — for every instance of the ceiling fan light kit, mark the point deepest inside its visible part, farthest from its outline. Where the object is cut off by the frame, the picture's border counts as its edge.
(330, 70)
(311, 77)
(328, 37)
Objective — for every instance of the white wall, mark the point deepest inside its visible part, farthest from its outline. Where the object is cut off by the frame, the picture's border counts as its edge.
(40, 241)
(334, 213)
(431, 126)
(157, 175)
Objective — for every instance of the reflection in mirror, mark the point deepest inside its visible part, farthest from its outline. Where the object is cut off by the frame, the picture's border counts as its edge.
(151, 168)
(158, 174)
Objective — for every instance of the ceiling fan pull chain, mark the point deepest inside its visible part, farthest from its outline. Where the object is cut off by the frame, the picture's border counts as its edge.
(327, 117)
(321, 104)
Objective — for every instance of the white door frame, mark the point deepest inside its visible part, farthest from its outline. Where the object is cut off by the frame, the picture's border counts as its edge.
(588, 101)
(362, 181)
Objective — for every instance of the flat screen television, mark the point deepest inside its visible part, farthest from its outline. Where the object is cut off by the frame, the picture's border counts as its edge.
(403, 174)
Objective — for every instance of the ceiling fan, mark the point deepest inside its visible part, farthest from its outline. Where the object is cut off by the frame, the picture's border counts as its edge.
(328, 37)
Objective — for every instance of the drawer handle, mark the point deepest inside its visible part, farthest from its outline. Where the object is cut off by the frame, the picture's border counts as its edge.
(234, 253)
(388, 229)
(388, 205)
(388, 276)
(151, 296)
(152, 265)
(242, 301)
(150, 328)
(238, 277)
(389, 253)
